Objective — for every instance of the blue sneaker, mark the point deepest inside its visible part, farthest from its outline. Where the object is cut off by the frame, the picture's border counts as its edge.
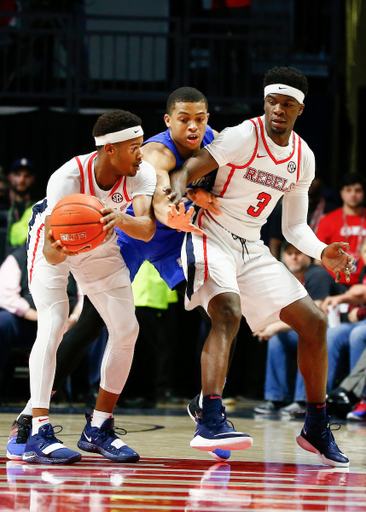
(103, 440)
(217, 433)
(321, 441)
(44, 448)
(20, 431)
(195, 413)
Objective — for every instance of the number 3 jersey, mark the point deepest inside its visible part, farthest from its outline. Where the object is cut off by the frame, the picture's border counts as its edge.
(254, 173)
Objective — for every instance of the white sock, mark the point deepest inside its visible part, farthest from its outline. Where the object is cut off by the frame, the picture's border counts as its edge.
(99, 417)
(200, 400)
(28, 411)
(38, 422)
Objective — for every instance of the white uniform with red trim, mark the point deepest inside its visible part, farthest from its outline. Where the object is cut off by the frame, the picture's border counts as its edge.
(101, 273)
(254, 173)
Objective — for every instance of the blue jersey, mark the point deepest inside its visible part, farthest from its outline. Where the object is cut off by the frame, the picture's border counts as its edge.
(164, 249)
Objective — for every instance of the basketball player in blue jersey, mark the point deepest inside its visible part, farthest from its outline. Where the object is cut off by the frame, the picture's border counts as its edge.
(187, 130)
(230, 271)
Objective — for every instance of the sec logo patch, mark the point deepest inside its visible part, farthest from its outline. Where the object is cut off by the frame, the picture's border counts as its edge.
(291, 167)
(117, 198)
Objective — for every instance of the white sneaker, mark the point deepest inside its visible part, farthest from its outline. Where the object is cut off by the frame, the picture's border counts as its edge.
(295, 409)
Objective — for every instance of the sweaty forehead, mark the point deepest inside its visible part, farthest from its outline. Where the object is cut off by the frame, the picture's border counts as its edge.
(281, 98)
(189, 108)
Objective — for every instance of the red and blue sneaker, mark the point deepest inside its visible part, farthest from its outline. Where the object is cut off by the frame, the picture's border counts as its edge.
(44, 448)
(321, 441)
(217, 433)
(195, 413)
(104, 440)
(359, 412)
(18, 437)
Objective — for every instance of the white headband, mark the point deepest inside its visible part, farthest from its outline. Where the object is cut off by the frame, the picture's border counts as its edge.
(286, 90)
(121, 136)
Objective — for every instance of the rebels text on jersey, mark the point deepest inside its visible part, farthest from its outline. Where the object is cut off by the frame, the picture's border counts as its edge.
(254, 173)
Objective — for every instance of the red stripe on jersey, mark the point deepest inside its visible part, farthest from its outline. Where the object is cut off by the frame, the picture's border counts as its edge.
(267, 148)
(91, 188)
(81, 174)
(298, 159)
(35, 251)
(125, 189)
(204, 245)
(233, 167)
(116, 186)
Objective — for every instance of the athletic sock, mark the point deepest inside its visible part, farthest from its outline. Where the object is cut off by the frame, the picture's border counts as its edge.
(99, 417)
(27, 411)
(38, 422)
(315, 413)
(211, 407)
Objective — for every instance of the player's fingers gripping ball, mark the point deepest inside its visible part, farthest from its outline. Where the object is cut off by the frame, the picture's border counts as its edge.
(75, 221)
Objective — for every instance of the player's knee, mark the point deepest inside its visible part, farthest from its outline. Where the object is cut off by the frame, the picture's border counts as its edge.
(226, 315)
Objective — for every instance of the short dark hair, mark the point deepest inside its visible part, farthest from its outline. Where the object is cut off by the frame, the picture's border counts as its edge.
(113, 121)
(186, 95)
(351, 178)
(289, 76)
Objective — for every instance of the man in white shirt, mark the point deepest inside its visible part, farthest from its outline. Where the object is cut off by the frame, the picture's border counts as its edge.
(231, 273)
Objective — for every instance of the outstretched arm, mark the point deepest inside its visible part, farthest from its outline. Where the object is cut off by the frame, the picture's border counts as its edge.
(198, 165)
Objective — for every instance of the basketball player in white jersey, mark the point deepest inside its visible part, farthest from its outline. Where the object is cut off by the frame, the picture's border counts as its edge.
(231, 273)
(117, 175)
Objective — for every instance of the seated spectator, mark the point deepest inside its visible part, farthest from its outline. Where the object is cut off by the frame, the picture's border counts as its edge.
(21, 178)
(349, 399)
(283, 382)
(347, 223)
(18, 316)
(347, 341)
(319, 205)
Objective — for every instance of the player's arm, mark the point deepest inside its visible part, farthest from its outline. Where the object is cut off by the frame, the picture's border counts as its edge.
(142, 226)
(163, 160)
(198, 165)
(53, 250)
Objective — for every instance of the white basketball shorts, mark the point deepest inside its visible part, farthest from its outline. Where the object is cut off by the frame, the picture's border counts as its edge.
(220, 262)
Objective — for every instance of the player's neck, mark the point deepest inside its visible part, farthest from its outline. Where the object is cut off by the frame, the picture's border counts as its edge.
(185, 152)
(353, 210)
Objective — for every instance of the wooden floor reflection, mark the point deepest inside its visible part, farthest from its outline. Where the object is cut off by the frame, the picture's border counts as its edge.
(274, 474)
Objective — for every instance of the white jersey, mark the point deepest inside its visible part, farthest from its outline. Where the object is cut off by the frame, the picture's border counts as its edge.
(75, 177)
(255, 173)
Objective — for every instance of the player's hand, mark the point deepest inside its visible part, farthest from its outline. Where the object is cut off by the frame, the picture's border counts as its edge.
(174, 196)
(57, 245)
(337, 260)
(205, 200)
(181, 220)
(110, 218)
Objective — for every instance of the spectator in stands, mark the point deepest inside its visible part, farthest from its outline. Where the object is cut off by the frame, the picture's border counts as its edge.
(18, 316)
(283, 382)
(347, 341)
(319, 205)
(21, 177)
(351, 392)
(348, 222)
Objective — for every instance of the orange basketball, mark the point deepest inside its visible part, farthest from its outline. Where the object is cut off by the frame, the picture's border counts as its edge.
(75, 220)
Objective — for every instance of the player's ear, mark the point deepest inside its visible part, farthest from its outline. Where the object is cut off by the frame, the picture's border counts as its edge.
(301, 109)
(167, 120)
(109, 148)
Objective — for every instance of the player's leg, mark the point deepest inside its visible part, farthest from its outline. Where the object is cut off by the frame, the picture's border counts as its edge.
(117, 308)
(52, 308)
(213, 431)
(76, 342)
(316, 435)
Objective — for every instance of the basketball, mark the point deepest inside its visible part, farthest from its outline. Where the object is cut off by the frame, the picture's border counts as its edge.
(75, 221)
